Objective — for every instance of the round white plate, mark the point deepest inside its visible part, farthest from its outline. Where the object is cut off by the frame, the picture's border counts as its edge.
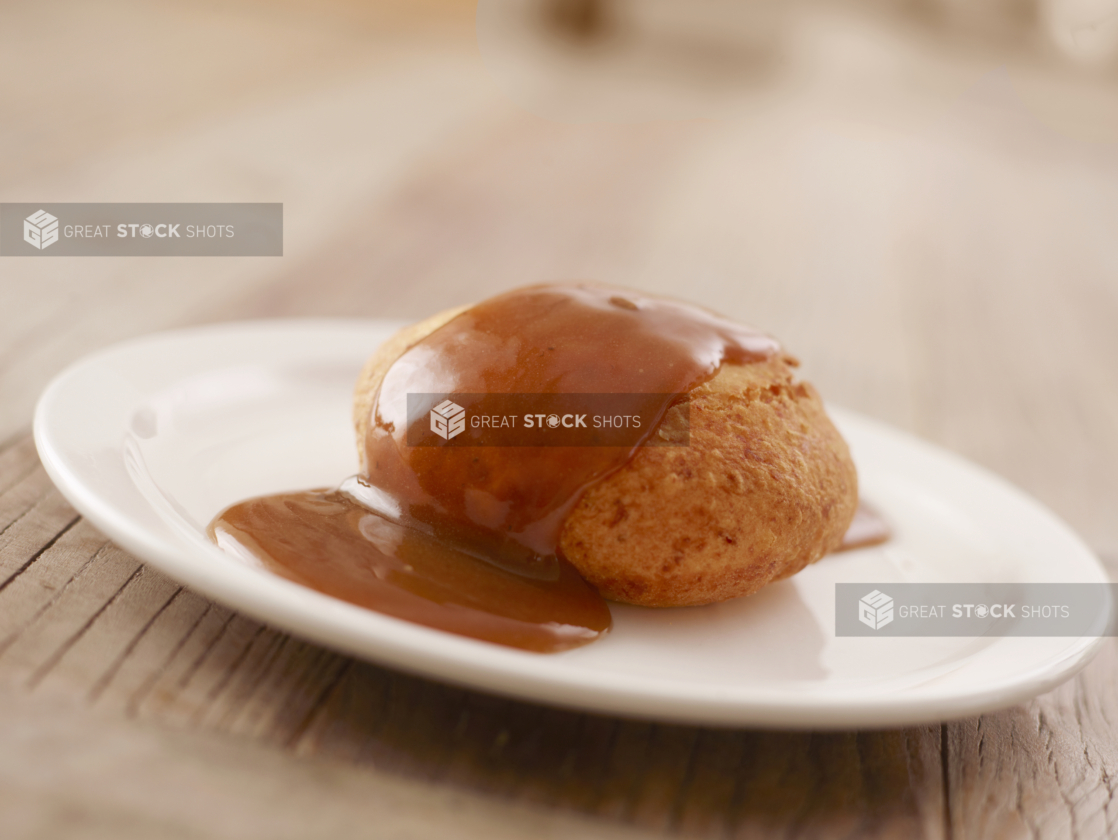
(151, 438)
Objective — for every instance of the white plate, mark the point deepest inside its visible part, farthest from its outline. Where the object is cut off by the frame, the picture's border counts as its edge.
(151, 438)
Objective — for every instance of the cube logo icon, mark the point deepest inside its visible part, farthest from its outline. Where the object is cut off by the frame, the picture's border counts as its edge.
(875, 610)
(40, 229)
(448, 419)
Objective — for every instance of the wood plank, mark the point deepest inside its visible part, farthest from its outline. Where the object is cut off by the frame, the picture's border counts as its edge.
(217, 666)
(709, 792)
(148, 656)
(42, 583)
(288, 693)
(32, 515)
(93, 659)
(420, 728)
(522, 169)
(1045, 769)
(354, 706)
(46, 640)
(879, 784)
(240, 671)
(88, 773)
(18, 459)
(658, 797)
(164, 694)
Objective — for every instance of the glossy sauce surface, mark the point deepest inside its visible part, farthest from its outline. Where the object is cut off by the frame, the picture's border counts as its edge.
(325, 540)
(465, 538)
(540, 340)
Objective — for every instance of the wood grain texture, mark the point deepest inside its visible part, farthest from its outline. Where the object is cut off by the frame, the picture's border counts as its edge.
(930, 229)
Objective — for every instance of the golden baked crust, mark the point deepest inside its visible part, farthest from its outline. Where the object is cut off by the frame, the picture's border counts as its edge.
(765, 487)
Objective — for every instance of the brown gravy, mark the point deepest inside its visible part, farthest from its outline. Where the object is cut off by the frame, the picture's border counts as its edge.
(540, 340)
(325, 540)
(465, 538)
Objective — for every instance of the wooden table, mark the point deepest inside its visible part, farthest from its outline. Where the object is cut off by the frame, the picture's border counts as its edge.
(928, 224)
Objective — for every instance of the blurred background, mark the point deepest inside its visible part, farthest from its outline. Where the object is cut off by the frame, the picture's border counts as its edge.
(919, 197)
